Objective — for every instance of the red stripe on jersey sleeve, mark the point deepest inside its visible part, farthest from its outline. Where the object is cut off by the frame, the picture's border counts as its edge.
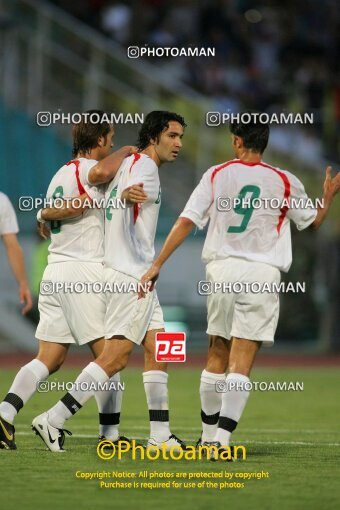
(136, 157)
(136, 207)
(79, 184)
(224, 165)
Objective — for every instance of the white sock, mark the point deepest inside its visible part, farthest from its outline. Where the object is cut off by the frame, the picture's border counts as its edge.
(156, 390)
(74, 400)
(233, 402)
(109, 404)
(22, 389)
(211, 402)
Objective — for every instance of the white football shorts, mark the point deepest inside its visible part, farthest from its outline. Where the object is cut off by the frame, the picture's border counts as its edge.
(126, 315)
(71, 317)
(247, 315)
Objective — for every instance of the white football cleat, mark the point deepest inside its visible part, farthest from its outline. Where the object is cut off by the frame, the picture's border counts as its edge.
(53, 438)
(173, 443)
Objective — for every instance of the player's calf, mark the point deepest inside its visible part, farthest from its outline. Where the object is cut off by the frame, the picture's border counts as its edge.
(155, 381)
(211, 401)
(115, 355)
(234, 400)
(212, 380)
(23, 387)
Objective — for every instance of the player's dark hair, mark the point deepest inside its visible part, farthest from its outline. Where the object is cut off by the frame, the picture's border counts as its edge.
(87, 132)
(154, 124)
(255, 135)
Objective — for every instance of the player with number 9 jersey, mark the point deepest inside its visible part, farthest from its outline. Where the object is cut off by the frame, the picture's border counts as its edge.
(246, 203)
(249, 205)
(248, 240)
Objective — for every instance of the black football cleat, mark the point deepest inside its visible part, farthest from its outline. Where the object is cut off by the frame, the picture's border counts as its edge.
(7, 439)
(172, 443)
(220, 452)
(205, 452)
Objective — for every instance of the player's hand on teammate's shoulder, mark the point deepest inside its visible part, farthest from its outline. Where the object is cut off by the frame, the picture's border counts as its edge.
(127, 150)
(149, 279)
(135, 194)
(331, 186)
(25, 298)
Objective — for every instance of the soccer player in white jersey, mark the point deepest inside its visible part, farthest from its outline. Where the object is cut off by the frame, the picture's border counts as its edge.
(8, 232)
(129, 251)
(245, 245)
(75, 254)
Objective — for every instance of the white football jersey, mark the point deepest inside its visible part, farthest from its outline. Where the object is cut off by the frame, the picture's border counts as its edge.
(257, 229)
(80, 238)
(8, 219)
(130, 232)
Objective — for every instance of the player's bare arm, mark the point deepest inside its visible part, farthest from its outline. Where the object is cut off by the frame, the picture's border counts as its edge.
(16, 260)
(66, 211)
(331, 187)
(69, 209)
(106, 169)
(178, 233)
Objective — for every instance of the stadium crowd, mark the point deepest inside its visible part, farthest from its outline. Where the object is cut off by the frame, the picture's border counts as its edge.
(270, 56)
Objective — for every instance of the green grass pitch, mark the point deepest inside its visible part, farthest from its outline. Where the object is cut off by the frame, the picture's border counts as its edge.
(295, 436)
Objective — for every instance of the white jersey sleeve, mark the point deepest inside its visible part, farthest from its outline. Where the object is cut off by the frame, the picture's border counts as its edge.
(8, 219)
(200, 201)
(301, 212)
(145, 173)
(83, 171)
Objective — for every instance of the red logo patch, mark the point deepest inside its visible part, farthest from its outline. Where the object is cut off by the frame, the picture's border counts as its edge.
(170, 347)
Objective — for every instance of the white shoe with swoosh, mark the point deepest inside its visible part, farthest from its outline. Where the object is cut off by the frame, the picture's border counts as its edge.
(53, 438)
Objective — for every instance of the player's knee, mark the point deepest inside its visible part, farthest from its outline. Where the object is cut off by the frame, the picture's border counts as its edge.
(218, 345)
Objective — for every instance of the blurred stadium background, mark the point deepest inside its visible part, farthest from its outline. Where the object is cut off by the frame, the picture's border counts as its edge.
(64, 56)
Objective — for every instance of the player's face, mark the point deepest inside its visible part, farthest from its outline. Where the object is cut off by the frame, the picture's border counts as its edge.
(106, 144)
(170, 142)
